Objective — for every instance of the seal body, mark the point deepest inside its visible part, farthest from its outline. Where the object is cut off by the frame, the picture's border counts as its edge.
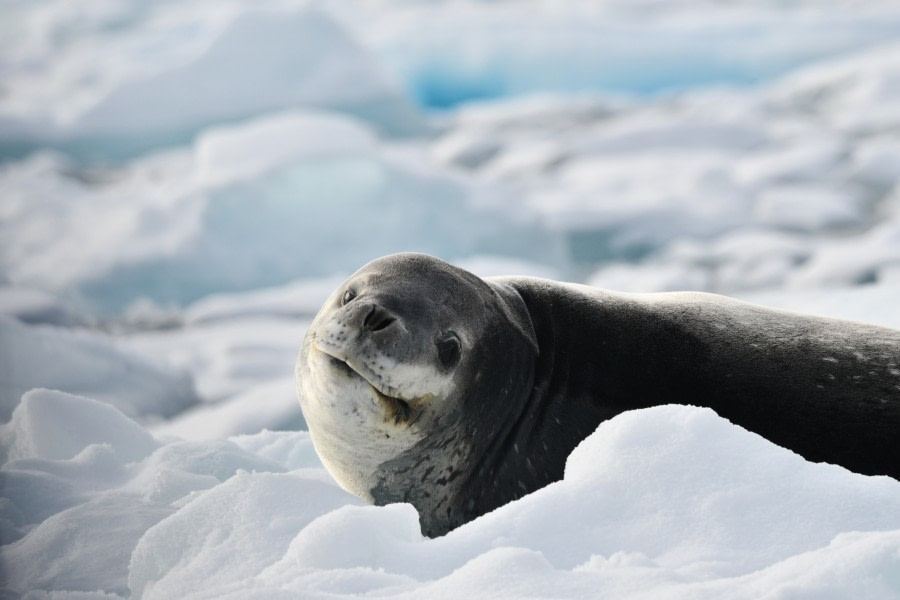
(423, 383)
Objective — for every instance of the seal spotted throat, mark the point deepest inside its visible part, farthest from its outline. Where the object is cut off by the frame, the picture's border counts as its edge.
(423, 383)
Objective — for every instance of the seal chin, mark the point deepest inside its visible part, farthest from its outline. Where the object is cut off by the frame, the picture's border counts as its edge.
(399, 409)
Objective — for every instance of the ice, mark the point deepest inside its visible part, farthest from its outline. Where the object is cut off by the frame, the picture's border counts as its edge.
(180, 71)
(625, 184)
(849, 262)
(270, 405)
(194, 224)
(37, 306)
(853, 95)
(302, 299)
(85, 362)
(799, 161)
(611, 206)
(635, 48)
(870, 303)
(227, 357)
(184, 183)
(494, 266)
(56, 425)
(572, 185)
(241, 152)
(61, 451)
(807, 208)
(653, 132)
(54, 209)
(877, 160)
(658, 277)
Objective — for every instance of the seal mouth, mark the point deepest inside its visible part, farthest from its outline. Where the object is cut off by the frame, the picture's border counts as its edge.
(402, 410)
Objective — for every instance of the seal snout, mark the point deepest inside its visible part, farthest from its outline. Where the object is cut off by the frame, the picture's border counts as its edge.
(377, 318)
(366, 317)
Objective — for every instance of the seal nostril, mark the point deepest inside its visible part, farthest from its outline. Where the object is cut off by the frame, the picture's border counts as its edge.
(378, 319)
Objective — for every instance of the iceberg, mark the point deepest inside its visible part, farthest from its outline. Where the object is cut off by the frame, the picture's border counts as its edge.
(177, 72)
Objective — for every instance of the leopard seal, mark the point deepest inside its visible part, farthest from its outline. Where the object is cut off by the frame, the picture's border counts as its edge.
(423, 383)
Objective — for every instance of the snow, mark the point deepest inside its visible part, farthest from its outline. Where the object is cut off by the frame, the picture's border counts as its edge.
(645, 508)
(85, 362)
(48, 558)
(56, 425)
(182, 184)
(262, 513)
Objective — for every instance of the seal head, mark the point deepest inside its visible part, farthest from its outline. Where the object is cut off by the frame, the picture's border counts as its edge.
(393, 376)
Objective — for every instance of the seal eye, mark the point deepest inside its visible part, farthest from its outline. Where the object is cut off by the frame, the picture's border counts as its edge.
(448, 349)
(348, 296)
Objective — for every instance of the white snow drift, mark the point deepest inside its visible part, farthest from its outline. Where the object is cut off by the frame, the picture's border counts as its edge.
(670, 500)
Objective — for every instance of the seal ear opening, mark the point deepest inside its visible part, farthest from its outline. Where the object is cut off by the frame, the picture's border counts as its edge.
(513, 307)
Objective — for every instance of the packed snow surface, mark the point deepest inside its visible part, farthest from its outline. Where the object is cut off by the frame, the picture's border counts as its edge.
(671, 500)
(182, 184)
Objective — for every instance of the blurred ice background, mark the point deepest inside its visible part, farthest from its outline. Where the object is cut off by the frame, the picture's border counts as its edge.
(182, 184)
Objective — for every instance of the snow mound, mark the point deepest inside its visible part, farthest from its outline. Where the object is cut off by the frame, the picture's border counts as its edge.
(82, 484)
(671, 500)
(261, 513)
(84, 548)
(180, 468)
(678, 485)
(87, 363)
(55, 425)
(659, 499)
(293, 449)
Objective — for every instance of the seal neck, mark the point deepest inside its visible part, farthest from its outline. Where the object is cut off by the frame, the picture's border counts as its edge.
(461, 469)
